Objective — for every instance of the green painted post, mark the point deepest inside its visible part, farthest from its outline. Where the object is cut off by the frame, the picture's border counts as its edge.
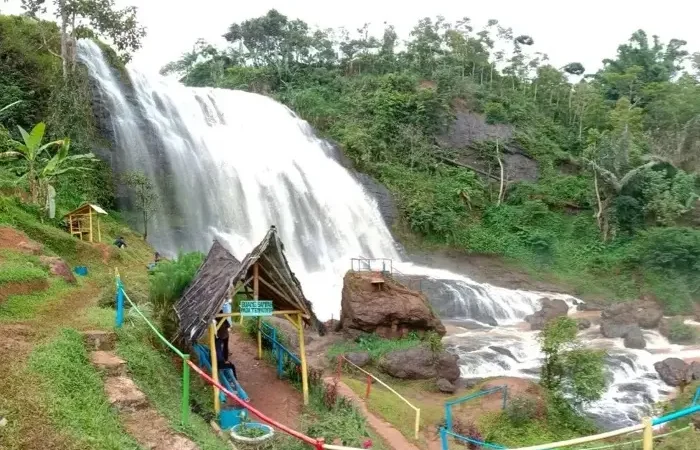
(185, 389)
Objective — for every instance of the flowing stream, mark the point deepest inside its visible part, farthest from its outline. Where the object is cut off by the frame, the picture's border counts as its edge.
(230, 164)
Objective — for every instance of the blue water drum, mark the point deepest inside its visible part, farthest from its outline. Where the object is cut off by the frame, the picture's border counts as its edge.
(81, 271)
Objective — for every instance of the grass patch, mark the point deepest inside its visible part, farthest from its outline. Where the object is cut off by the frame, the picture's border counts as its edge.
(20, 274)
(374, 345)
(63, 368)
(158, 377)
(23, 307)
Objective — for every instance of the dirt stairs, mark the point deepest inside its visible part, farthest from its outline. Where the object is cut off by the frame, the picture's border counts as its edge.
(140, 419)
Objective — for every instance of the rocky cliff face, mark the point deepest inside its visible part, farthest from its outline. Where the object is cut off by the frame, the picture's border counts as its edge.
(386, 308)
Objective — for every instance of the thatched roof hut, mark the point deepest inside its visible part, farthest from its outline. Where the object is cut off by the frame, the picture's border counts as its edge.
(221, 271)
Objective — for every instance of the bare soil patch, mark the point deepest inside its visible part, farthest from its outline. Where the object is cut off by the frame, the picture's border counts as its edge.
(23, 288)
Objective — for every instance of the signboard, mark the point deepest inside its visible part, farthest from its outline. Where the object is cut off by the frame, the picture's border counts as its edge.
(256, 308)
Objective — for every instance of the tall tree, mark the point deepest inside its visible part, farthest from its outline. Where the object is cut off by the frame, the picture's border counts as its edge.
(145, 196)
(84, 18)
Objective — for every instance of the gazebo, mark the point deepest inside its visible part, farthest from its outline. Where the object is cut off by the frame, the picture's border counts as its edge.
(275, 291)
(81, 222)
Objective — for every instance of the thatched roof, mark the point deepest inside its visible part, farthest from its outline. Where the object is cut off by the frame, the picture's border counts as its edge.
(220, 271)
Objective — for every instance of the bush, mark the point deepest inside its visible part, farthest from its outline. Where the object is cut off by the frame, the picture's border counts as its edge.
(680, 333)
(523, 410)
(168, 281)
(495, 113)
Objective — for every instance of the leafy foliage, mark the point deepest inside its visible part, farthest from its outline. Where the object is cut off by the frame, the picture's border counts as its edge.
(619, 145)
(146, 197)
(167, 283)
(568, 369)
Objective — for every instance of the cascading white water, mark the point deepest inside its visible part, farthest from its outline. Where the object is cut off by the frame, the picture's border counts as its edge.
(230, 164)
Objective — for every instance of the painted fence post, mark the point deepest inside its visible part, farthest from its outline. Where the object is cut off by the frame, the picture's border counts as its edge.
(119, 321)
(369, 386)
(443, 439)
(448, 416)
(417, 423)
(185, 416)
(280, 362)
(648, 434)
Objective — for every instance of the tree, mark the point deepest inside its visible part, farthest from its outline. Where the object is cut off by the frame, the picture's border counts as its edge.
(31, 150)
(574, 68)
(570, 371)
(146, 198)
(88, 18)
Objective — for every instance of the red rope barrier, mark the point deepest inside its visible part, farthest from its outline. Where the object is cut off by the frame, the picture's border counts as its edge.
(317, 443)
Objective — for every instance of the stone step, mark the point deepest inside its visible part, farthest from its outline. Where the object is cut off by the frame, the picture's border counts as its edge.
(123, 394)
(99, 340)
(108, 363)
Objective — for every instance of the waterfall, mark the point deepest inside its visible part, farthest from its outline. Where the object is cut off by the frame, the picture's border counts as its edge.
(229, 164)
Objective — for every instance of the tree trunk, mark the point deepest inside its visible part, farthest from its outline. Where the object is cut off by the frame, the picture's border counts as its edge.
(145, 224)
(64, 36)
(500, 163)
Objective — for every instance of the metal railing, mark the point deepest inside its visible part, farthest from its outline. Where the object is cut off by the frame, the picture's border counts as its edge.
(386, 267)
(447, 430)
(119, 321)
(371, 377)
(279, 351)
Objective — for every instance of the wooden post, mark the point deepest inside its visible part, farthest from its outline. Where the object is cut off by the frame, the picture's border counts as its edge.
(214, 365)
(255, 297)
(99, 232)
(90, 224)
(302, 354)
(70, 224)
(648, 434)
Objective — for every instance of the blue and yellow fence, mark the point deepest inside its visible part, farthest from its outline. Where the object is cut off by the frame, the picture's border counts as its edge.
(646, 427)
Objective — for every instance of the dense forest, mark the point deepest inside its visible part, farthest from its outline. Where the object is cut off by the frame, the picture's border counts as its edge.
(612, 211)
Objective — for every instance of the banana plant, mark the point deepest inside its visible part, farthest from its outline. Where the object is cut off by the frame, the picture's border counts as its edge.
(31, 150)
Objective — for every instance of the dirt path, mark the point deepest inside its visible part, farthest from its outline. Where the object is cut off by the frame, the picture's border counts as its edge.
(388, 433)
(272, 396)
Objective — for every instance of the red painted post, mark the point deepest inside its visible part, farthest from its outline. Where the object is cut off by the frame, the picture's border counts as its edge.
(369, 386)
(319, 443)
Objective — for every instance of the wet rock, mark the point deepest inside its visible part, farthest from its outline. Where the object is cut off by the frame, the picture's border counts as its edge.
(551, 309)
(448, 366)
(420, 363)
(360, 359)
(644, 313)
(469, 383)
(58, 267)
(583, 324)
(633, 387)
(504, 351)
(673, 371)
(589, 307)
(612, 329)
(665, 327)
(445, 386)
(694, 371)
(635, 339)
(388, 309)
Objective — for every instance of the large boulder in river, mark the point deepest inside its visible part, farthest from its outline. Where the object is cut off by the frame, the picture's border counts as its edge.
(635, 339)
(620, 319)
(551, 309)
(673, 371)
(420, 363)
(374, 303)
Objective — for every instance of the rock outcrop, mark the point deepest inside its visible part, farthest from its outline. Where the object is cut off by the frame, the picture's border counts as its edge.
(446, 386)
(583, 324)
(635, 339)
(551, 309)
(373, 303)
(58, 267)
(360, 359)
(420, 363)
(618, 319)
(673, 371)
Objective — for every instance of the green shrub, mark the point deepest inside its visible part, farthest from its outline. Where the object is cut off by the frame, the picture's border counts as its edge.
(495, 113)
(680, 333)
(522, 410)
(167, 283)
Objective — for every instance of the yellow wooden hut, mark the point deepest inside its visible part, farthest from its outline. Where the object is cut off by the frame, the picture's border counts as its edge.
(84, 220)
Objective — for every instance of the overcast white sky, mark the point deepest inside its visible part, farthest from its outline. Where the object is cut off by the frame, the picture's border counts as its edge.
(585, 31)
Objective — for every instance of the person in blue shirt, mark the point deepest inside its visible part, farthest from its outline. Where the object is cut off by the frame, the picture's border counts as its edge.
(120, 242)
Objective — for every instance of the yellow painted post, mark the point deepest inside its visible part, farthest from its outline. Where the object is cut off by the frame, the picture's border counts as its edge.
(99, 232)
(256, 293)
(417, 423)
(70, 225)
(302, 353)
(214, 365)
(90, 225)
(648, 434)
